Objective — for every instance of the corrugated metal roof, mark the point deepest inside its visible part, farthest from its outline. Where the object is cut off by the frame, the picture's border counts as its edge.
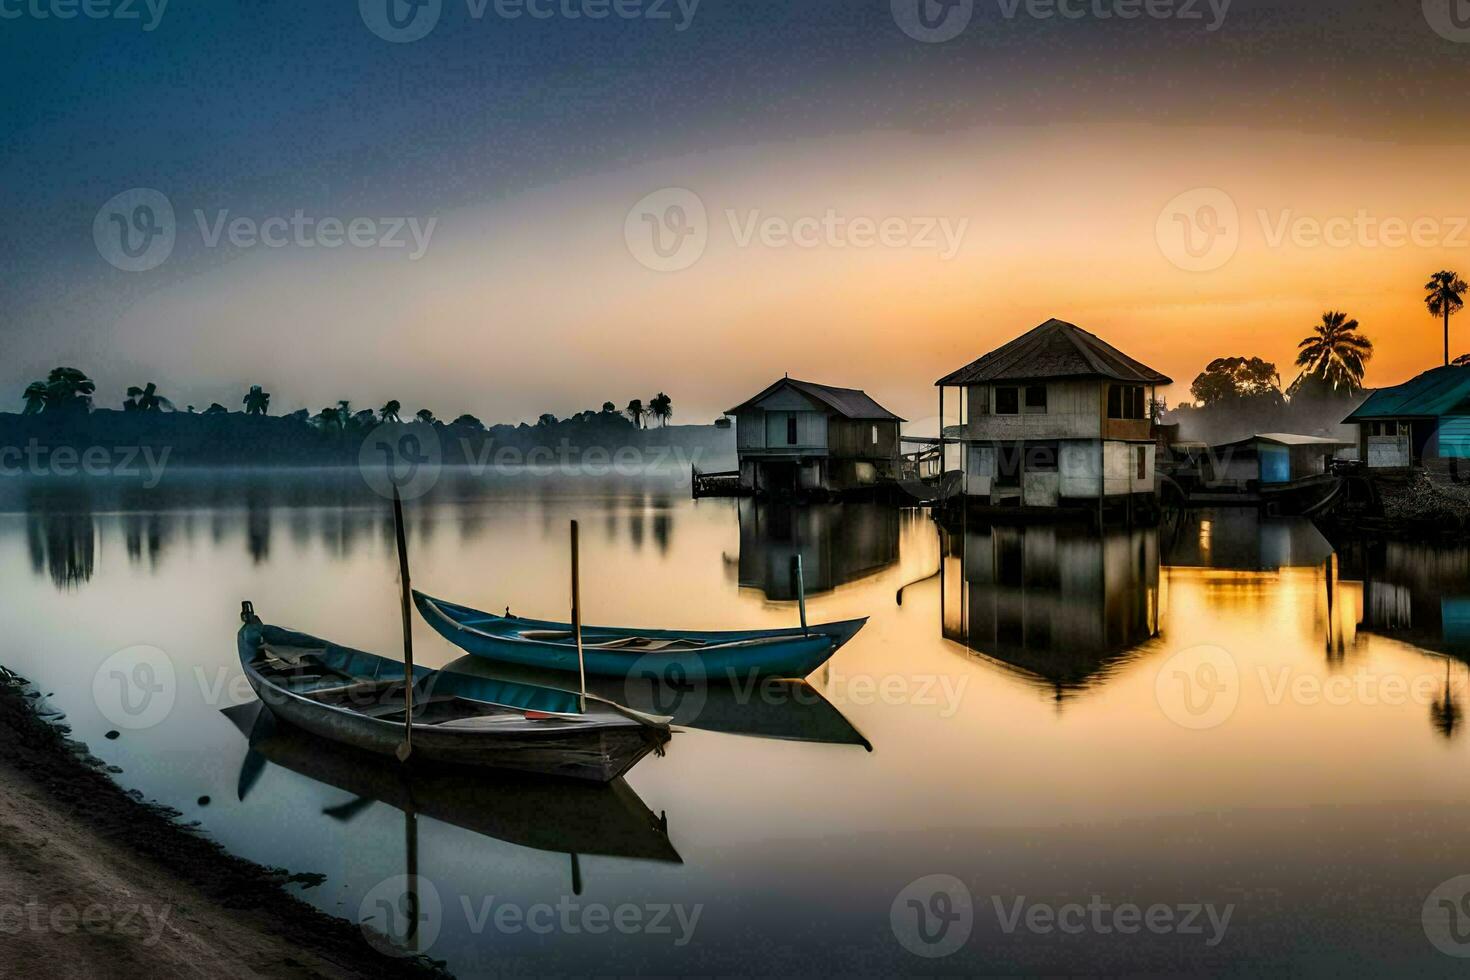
(1055, 349)
(1443, 391)
(848, 402)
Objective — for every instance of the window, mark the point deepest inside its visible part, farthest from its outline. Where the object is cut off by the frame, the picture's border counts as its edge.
(1125, 402)
(1008, 464)
(791, 430)
(1007, 401)
(1384, 429)
(1142, 463)
(875, 435)
(1036, 399)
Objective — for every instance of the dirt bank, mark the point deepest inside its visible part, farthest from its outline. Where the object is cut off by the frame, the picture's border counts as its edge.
(96, 883)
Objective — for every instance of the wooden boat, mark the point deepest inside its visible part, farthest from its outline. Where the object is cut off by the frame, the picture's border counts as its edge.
(358, 699)
(532, 811)
(692, 655)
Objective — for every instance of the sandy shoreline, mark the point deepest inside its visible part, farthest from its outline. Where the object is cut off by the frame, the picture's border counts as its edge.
(95, 882)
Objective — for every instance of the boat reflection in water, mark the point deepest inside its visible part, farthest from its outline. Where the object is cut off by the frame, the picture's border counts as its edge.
(791, 710)
(838, 543)
(545, 813)
(1061, 606)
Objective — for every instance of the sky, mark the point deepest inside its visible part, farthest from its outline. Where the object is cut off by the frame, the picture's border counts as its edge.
(547, 211)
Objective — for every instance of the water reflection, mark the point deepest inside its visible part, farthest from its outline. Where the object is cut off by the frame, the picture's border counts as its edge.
(61, 535)
(1240, 539)
(1063, 606)
(838, 543)
(1415, 592)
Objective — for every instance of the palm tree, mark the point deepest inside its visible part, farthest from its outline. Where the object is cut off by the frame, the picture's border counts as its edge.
(257, 402)
(1462, 361)
(35, 397)
(1333, 355)
(636, 412)
(147, 400)
(389, 412)
(1444, 712)
(661, 408)
(425, 416)
(1442, 295)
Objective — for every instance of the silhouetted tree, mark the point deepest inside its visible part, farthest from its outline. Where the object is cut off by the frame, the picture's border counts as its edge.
(636, 412)
(364, 420)
(1462, 361)
(1332, 357)
(546, 419)
(215, 408)
(468, 421)
(1237, 379)
(389, 412)
(608, 408)
(257, 402)
(146, 400)
(661, 408)
(425, 416)
(1442, 295)
(35, 397)
(65, 389)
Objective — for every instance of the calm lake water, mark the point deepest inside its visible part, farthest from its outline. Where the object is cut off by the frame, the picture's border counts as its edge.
(1221, 715)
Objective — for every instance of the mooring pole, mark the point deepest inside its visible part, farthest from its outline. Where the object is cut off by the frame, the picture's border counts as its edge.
(577, 616)
(405, 748)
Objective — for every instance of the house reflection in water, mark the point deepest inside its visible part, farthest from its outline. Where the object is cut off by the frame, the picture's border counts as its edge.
(1414, 592)
(1063, 606)
(838, 543)
(1240, 539)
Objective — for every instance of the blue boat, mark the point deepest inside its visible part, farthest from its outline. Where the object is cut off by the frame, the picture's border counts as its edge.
(690, 656)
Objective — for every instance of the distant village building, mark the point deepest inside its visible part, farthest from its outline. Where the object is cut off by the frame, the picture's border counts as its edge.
(1427, 418)
(1055, 417)
(800, 436)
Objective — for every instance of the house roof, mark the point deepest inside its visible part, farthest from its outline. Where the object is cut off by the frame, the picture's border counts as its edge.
(1055, 349)
(848, 402)
(1442, 391)
(1288, 439)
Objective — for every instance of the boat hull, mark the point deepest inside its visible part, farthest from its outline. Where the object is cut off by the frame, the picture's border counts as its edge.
(599, 753)
(728, 657)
